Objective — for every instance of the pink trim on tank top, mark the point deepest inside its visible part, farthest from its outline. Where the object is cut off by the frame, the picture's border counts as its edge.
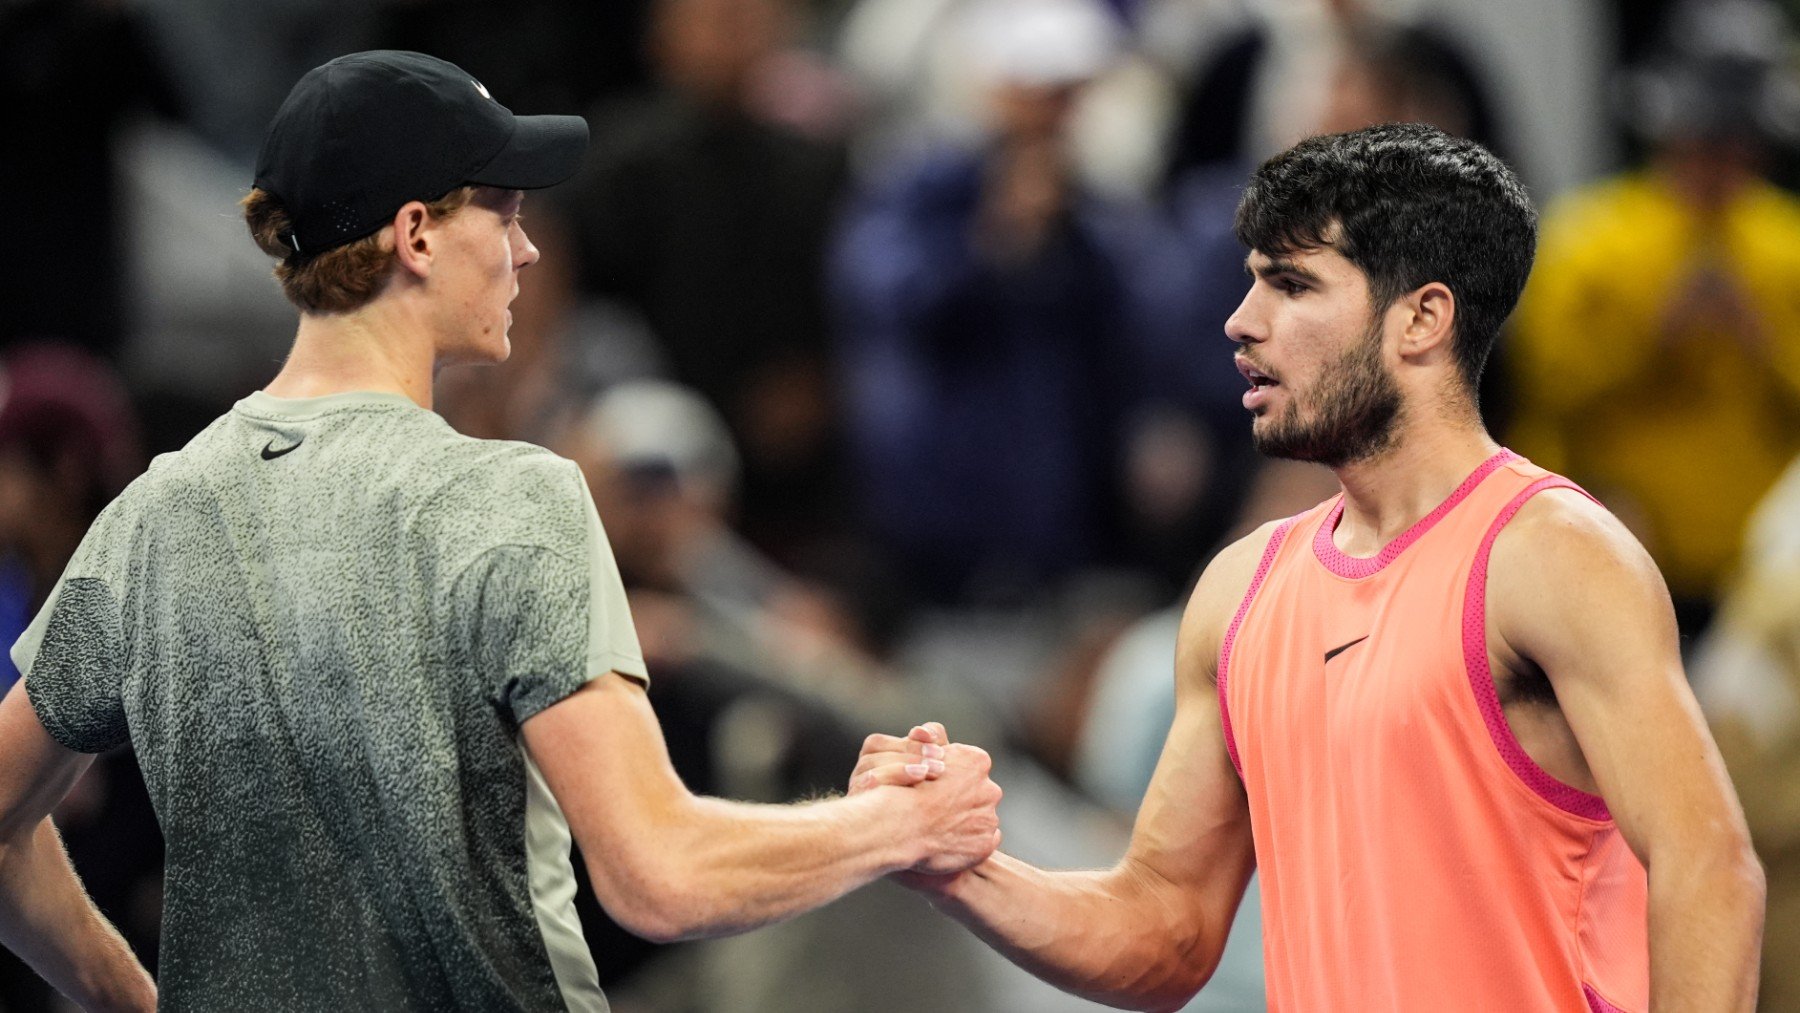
(1481, 678)
(1262, 572)
(1355, 568)
(1596, 1002)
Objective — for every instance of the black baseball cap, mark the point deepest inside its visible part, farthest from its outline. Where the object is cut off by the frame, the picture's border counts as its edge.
(362, 135)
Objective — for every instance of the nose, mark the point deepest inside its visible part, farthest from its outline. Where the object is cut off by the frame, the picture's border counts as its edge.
(1245, 326)
(525, 253)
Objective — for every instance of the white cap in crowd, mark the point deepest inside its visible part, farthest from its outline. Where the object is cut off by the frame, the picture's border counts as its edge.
(1041, 42)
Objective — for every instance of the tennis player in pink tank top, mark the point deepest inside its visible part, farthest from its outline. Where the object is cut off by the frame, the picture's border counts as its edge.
(1443, 713)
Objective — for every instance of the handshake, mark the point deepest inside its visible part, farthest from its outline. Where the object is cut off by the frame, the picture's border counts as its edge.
(953, 802)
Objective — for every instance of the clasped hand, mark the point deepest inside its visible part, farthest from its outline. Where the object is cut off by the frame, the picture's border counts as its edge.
(958, 802)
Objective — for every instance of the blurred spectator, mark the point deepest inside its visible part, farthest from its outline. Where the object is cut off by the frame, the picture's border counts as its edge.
(1253, 70)
(68, 444)
(664, 475)
(909, 80)
(981, 317)
(709, 218)
(919, 80)
(538, 56)
(233, 63)
(1747, 675)
(1658, 344)
(663, 471)
(72, 73)
(1246, 99)
(1391, 71)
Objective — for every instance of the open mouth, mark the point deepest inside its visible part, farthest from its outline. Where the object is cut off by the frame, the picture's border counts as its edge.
(1258, 379)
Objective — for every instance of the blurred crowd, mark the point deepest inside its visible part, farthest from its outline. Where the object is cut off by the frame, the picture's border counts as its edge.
(889, 334)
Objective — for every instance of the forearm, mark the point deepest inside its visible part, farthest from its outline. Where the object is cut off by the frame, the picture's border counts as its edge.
(1121, 937)
(726, 867)
(1706, 920)
(47, 919)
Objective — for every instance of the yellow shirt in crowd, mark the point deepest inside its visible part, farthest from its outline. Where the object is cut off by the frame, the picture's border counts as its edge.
(1680, 430)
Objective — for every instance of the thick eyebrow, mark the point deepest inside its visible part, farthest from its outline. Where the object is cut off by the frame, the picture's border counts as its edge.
(1280, 266)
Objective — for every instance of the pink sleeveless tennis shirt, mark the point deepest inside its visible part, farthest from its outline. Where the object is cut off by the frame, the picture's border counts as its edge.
(1411, 855)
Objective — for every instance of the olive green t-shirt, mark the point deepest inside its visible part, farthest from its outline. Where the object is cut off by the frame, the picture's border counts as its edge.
(320, 625)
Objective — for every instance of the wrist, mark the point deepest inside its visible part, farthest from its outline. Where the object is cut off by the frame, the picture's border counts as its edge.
(951, 894)
(899, 817)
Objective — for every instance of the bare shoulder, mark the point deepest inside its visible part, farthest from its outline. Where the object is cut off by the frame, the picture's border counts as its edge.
(1215, 600)
(1564, 533)
(1566, 572)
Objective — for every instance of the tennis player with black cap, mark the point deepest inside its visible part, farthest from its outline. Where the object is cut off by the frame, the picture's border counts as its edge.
(375, 671)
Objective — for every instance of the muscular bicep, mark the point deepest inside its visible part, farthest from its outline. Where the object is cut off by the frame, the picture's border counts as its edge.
(35, 770)
(1572, 592)
(602, 754)
(1193, 830)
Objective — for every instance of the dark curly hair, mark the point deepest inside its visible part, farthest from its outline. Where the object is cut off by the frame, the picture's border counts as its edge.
(1409, 205)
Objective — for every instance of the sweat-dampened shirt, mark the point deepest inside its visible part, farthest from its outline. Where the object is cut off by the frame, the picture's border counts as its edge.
(320, 625)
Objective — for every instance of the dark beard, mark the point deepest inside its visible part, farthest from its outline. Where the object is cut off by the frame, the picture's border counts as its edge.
(1355, 412)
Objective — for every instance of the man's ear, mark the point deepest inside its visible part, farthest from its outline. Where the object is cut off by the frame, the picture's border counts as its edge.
(414, 238)
(1430, 320)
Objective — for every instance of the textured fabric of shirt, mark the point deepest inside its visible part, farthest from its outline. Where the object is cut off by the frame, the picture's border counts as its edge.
(320, 625)
(1412, 855)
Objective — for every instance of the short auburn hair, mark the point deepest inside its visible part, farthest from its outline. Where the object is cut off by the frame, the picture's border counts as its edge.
(340, 279)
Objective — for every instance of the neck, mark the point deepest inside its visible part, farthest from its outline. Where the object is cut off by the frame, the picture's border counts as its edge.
(1387, 494)
(371, 349)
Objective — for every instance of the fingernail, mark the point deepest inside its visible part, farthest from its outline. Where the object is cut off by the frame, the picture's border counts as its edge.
(932, 751)
(917, 769)
(935, 766)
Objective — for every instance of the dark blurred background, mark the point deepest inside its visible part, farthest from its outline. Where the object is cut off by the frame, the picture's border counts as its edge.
(889, 334)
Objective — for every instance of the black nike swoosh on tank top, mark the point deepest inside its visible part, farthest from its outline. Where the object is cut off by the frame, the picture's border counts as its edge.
(1335, 651)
